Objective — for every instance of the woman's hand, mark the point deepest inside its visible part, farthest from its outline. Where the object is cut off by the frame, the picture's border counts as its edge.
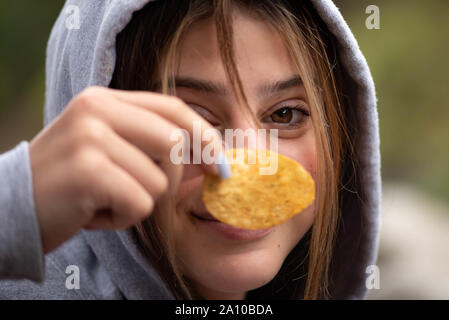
(105, 161)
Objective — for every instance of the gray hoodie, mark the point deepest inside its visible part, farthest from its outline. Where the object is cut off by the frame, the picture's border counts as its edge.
(110, 263)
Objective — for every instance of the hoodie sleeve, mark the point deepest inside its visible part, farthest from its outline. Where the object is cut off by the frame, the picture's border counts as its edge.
(21, 253)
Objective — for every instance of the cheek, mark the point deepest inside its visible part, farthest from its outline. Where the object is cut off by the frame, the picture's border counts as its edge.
(192, 179)
(303, 150)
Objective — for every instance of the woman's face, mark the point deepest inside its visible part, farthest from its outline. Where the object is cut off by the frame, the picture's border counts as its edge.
(218, 265)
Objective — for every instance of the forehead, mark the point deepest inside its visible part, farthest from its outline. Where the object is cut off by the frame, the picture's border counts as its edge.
(260, 52)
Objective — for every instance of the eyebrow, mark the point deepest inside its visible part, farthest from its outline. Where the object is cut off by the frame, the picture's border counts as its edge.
(209, 87)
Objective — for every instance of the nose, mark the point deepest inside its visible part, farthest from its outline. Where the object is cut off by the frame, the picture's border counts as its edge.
(242, 133)
(245, 133)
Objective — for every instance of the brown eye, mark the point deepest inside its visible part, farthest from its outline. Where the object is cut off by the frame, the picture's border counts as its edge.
(288, 116)
(283, 115)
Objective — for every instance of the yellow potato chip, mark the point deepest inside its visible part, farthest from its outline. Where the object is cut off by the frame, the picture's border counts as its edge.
(251, 200)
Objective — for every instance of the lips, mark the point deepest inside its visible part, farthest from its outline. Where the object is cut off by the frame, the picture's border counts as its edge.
(212, 226)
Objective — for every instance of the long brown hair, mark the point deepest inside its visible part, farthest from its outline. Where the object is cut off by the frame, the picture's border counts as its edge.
(147, 56)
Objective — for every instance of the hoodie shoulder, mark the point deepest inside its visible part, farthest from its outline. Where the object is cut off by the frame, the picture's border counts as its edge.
(72, 272)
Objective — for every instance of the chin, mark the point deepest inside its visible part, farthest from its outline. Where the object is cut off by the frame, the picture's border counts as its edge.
(236, 273)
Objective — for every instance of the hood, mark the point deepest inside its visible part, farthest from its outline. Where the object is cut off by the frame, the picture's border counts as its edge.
(81, 57)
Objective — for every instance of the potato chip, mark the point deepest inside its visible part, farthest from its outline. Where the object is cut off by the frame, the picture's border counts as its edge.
(251, 200)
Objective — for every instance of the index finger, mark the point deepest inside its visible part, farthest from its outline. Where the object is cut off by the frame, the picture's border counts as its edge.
(174, 109)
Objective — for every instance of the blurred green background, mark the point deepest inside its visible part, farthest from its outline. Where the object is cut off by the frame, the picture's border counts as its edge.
(24, 30)
(408, 59)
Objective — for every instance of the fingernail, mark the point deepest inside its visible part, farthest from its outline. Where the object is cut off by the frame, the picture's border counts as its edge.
(224, 169)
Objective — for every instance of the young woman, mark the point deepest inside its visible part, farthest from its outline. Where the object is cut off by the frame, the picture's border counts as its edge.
(96, 192)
